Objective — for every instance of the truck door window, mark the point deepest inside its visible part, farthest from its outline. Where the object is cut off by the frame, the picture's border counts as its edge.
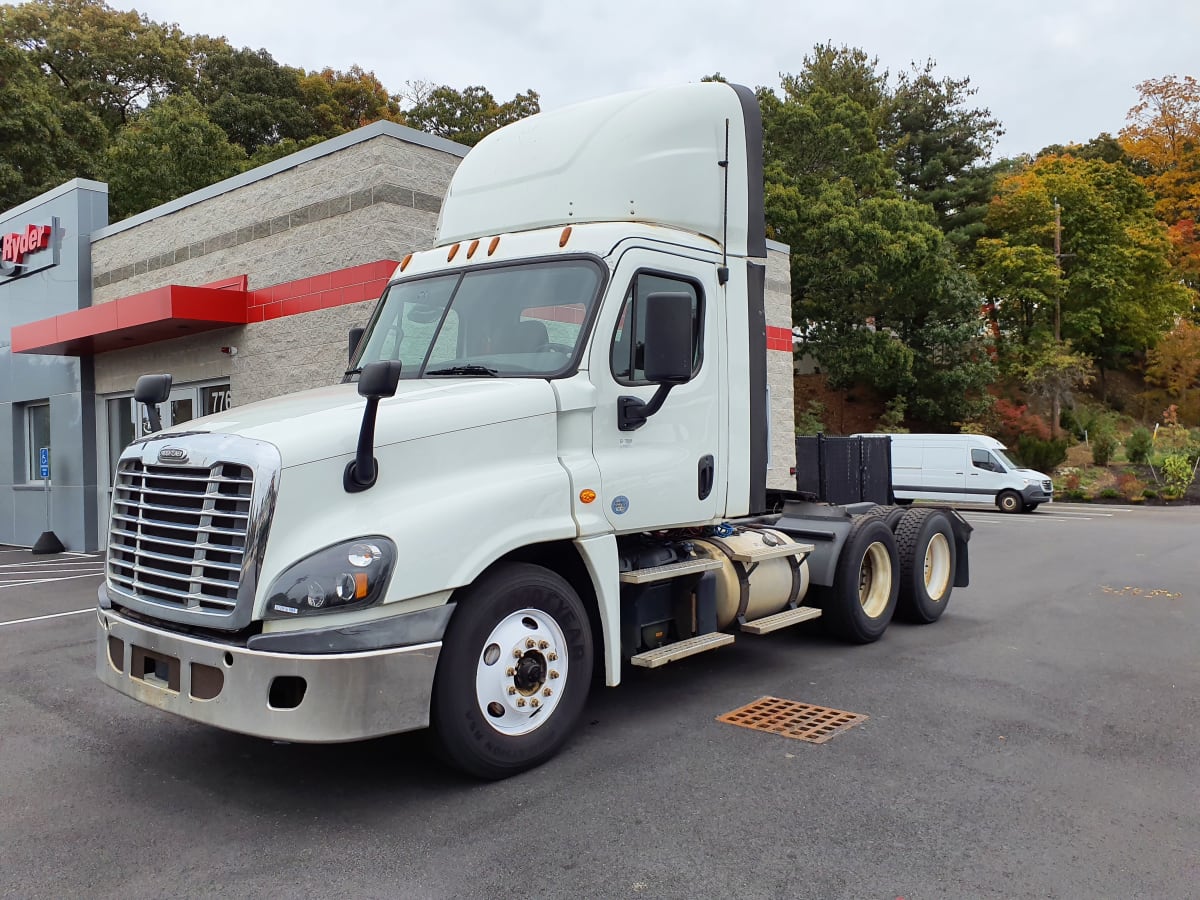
(628, 367)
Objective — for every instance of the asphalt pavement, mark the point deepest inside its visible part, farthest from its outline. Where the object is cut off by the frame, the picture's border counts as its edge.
(1041, 740)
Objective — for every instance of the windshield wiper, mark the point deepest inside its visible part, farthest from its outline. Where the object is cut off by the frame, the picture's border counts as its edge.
(465, 370)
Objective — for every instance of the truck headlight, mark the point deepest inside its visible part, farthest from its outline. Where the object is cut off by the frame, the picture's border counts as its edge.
(345, 576)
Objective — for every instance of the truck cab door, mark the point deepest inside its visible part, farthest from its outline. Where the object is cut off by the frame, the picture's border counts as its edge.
(669, 471)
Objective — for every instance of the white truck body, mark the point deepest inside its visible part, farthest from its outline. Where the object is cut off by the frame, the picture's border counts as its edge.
(964, 468)
(519, 456)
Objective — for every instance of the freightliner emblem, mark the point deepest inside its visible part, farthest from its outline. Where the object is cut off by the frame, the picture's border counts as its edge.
(172, 455)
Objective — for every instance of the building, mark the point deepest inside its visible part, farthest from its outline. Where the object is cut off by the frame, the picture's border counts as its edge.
(244, 290)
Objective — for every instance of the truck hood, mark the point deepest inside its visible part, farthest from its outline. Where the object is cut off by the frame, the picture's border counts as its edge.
(323, 423)
(1030, 473)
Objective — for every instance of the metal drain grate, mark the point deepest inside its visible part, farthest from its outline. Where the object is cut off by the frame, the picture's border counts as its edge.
(803, 721)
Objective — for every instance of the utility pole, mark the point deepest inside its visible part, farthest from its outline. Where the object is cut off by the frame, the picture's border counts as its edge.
(1058, 265)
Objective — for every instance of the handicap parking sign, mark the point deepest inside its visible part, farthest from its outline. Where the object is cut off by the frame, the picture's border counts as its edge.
(44, 462)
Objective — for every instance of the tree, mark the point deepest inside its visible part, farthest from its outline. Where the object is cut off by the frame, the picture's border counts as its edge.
(1174, 367)
(342, 101)
(256, 101)
(469, 115)
(168, 150)
(940, 146)
(872, 274)
(1052, 371)
(113, 62)
(44, 140)
(1118, 291)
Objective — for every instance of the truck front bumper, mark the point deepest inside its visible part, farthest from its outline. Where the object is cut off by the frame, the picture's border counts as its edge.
(312, 698)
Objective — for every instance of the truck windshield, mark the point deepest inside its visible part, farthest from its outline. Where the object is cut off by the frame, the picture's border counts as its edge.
(520, 320)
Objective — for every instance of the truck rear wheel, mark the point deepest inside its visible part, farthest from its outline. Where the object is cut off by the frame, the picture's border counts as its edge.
(514, 671)
(860, 604)
(925, 542)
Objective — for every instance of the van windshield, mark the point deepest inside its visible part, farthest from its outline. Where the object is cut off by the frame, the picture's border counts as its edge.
(1008, 463)
(520, 320)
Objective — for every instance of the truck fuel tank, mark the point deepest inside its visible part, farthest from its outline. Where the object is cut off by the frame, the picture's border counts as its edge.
(762, 572)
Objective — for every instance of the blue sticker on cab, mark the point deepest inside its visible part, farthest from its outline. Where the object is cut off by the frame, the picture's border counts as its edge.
(620, 504)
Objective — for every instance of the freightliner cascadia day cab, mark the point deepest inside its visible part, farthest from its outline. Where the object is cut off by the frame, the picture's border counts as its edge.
(964, 468)
(547, 461)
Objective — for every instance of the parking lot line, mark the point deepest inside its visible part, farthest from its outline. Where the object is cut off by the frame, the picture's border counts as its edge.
(48, 580)
(74, 612)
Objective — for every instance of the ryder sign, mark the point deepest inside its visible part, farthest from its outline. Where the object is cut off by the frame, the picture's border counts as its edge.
(15, 247)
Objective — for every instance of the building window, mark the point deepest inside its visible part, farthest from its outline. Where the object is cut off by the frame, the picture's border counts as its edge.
(37, 436)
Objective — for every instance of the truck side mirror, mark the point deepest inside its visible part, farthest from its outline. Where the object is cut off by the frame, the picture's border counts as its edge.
(152, 390)
(377, 380)
(667, 352)
(356, 334)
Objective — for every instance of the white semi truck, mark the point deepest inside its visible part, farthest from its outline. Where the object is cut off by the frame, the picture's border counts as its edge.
(547, 461)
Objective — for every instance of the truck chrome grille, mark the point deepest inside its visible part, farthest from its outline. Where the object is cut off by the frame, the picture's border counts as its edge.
(179, 536)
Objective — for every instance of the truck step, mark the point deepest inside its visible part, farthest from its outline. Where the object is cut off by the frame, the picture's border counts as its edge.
(783, 619)
(670, 570)
(660, 656)
(764, 551)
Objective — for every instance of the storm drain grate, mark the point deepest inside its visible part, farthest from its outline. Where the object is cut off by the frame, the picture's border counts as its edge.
(815, 724)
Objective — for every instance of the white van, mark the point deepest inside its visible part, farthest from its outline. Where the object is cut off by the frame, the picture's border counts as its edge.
(964, 468)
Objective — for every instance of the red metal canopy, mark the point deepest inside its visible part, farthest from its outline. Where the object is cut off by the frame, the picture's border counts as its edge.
(167, 312)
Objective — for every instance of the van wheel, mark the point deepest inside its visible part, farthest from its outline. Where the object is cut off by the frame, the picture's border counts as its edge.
(860, 604)
(514, 671)
(925, 542)
(1010, 502)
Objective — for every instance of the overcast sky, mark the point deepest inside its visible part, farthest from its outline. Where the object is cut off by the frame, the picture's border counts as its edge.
(1051, 72)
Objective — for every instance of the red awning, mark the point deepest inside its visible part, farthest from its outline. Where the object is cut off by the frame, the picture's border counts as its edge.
(167, 312)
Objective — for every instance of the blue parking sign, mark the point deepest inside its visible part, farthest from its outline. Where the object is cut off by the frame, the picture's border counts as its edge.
(44, 462)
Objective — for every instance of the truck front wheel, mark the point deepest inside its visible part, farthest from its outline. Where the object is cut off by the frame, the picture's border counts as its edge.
(514, 671)
(859, 605)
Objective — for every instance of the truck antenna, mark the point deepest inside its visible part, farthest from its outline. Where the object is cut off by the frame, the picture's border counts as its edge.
(723, 271)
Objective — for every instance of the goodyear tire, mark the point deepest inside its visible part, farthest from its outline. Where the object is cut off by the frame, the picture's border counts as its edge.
(925, 542)
(514, 671)
(1010, 502)
(862, 599)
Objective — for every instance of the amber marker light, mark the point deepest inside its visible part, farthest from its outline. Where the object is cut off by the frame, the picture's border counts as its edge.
(453, 252)
(587, 495)
(564, 237)
(493, 245)
(404, 262)
(474, 246)
(360, 585)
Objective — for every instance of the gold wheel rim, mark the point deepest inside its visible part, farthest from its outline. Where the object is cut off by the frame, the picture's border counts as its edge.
(875, 580)
(937, 567)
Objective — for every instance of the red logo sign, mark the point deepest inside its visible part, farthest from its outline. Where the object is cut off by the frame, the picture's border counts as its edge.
(17, 245)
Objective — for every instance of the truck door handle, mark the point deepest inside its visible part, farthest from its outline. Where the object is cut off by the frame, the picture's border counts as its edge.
(705, 473)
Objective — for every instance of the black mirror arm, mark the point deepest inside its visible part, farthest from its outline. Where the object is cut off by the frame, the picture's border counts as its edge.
(632, 412)
(155, 418)
(362, 472)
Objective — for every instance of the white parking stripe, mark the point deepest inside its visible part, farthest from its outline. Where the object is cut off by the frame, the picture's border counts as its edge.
(27, 583)
(74, 612)
(54, 566)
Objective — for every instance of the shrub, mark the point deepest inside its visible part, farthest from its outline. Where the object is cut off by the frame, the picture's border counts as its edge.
(1150, 494)
(1110, 494)
(1177, 473)
(1139, 445)
(1042, 455)
(1130, 486)
(812, 419)
(892, 421)
(1015, 419)
(1104, 444)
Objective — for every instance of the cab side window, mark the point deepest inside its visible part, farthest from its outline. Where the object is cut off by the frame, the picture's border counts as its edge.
(628, 365)
(981, 459)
